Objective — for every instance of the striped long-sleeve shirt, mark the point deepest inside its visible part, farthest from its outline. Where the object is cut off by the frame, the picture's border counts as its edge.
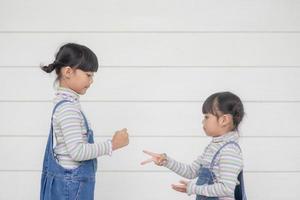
(70, 132)
(229, 163)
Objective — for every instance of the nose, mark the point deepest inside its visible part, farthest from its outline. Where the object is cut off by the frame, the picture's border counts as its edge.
(91, 80)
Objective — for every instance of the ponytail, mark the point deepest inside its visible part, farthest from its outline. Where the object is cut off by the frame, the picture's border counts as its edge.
(55, 65)
(48, 68)
(73, 55)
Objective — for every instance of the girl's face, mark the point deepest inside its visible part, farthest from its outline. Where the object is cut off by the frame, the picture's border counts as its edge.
(216, 126)
(210, 124)
(77, 80)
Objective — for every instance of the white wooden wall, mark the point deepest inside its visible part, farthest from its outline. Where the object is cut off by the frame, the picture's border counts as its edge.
(159, 60)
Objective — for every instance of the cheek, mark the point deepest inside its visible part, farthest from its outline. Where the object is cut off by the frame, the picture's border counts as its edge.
(210, 124)
(87, 79)
(206, 124)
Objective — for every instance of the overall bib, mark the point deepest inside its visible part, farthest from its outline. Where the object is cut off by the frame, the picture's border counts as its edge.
(206, 176)
(58, 183)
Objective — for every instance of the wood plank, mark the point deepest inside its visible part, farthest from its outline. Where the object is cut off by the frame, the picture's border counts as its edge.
(260, 154)
(137, 15)
(156, 185)
(150, 118)
(157, 49)
(175, 84)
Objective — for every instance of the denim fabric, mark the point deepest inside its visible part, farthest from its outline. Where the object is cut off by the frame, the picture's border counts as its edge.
(206, 176)
(58, 183)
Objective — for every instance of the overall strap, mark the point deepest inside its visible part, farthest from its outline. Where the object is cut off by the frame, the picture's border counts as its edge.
(58, 104)
(89, 132)
(85, 122)
(49, 148)
(217, 153)
(54, 109)
(63, 101)
(50, 137)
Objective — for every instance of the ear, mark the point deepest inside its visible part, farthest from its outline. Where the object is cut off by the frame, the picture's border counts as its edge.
(67, 72)
(225, 120)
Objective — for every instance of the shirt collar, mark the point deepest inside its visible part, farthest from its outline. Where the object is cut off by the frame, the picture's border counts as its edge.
(66, 93)
(230, 136)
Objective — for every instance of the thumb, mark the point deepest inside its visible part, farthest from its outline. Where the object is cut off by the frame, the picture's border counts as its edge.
(183, 182)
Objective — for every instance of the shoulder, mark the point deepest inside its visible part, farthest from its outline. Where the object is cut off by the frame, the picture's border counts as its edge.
(232, 151)
(67, 108)
(233, 147)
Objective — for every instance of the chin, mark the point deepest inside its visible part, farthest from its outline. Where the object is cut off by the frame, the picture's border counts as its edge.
(83, 91)
(205, 132)
(208, 134)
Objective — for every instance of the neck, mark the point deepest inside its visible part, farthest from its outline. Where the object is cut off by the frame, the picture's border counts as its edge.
(224, 130)
(63, 84)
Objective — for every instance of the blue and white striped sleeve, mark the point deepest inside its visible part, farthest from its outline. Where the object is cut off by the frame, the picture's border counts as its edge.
(189, 171)
(70, 119)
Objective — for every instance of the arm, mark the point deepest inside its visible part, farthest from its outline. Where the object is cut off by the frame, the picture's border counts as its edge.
(189, 171)
(70, 119)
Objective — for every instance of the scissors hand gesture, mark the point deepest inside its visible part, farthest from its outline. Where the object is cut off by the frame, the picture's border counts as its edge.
(158, 159)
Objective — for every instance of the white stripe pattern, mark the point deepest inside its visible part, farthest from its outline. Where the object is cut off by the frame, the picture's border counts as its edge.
(72, 145)
(229, 163)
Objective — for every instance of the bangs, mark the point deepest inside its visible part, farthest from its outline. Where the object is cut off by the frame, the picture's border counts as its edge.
(89, 61)
(210, 105)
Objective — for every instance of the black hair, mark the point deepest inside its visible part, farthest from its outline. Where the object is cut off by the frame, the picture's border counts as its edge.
(75, 56)
(226, 103)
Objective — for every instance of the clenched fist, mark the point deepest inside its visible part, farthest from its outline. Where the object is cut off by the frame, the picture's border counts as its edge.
(120, 139)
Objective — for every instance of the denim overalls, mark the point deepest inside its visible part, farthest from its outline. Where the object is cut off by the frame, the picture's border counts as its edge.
(206, 176)
(58, 183)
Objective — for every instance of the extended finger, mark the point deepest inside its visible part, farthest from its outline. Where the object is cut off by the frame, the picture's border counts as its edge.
(179, 186)
(147, 161)
(151, 153)
(183, 182)
(179, 189)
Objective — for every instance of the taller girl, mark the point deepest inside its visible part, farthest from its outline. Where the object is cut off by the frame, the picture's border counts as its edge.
(69, 168)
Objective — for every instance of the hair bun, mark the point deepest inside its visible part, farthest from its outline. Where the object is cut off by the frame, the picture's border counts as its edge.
(237, 113)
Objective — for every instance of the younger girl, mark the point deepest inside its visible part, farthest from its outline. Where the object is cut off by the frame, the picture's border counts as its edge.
(69, 168)
(219, 168)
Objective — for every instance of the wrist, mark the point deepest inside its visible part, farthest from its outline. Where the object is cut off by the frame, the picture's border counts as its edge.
(190, 188)
(110, 147)
(163, 160)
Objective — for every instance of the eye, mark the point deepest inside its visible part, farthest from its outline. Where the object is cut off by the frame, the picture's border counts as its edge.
(89, 74)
